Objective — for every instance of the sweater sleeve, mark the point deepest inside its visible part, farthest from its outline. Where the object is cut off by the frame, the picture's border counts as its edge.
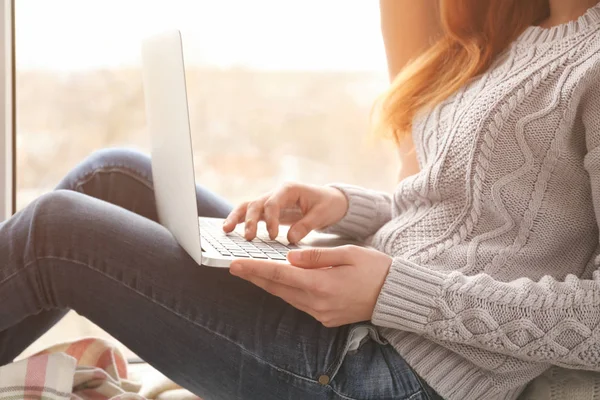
(545, 321)
(368, 210)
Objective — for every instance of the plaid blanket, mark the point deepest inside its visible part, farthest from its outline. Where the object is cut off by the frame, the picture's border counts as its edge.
(88, 369)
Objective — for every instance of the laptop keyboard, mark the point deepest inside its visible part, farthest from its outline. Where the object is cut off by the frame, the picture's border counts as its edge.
(235, 245)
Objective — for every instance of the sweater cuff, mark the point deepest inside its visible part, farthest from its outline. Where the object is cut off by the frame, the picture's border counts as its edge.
(368, 210)
(408, 297)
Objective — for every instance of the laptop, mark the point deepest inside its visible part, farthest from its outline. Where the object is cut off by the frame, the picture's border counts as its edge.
(173, 168)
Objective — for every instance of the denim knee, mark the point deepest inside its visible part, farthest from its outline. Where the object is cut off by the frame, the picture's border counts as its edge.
(118, 157)
(56, 207)
(127, 159)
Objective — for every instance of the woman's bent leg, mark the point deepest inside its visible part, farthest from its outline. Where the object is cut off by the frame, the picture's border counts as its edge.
(121, 177)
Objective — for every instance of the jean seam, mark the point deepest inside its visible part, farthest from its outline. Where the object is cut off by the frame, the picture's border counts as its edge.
(9, 277)
(34, 258)
(28, 265)
(111, 168)
(418, 392)
(337, 362)
(340, 395)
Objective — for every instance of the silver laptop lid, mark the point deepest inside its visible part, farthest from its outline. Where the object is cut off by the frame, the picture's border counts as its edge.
(168, 122)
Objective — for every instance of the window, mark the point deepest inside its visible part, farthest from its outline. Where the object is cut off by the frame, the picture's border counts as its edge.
(7, 130)
(278, 90)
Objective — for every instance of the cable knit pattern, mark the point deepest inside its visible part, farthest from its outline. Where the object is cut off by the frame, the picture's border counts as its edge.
(495, 275)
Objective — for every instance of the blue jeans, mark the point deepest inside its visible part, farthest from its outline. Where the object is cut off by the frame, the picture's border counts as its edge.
(94, 246)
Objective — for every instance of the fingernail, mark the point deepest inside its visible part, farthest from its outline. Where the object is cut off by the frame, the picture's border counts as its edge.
(235, 268)
(225, 222)
(293, 237)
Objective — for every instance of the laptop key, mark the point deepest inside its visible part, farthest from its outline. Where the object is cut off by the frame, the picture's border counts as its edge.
(255, 253)
(261, 256)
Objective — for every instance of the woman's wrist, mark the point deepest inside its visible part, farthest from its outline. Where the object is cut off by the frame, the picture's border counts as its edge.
(339, 204)
(364, 212)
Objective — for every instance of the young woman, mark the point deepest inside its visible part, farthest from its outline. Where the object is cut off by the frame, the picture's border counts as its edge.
(483, 267)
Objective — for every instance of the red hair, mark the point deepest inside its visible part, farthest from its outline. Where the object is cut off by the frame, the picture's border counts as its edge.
(475, 32)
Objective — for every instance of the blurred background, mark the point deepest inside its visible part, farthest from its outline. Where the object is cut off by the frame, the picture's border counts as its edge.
(278, 90)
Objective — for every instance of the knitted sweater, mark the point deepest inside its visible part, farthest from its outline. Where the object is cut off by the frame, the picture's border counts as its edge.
(495, 241)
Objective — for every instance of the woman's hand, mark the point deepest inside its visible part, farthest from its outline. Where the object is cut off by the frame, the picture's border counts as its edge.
(343, 294)
(304, 207)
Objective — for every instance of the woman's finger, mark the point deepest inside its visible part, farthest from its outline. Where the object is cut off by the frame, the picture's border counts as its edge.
(284, 197)
(317, 257)
(254, 213)
(290, 215)
(296, 286)
(306, 224)
(293, 296)
(235, 217)
(271, 216)
(278, 272)
(298, 299)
